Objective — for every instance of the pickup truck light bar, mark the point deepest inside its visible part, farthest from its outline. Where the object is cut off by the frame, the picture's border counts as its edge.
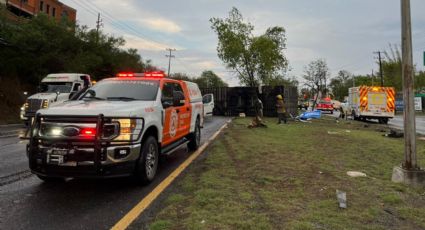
(152, 74)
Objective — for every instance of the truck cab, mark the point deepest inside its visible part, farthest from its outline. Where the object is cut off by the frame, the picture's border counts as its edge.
(54, 89)
(119, 127)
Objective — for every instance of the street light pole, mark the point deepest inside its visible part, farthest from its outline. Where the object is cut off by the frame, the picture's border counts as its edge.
(408, 93)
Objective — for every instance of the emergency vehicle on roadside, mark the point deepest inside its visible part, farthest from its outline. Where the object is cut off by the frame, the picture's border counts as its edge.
(325, 104)
(119, 127)
(54, 89)
(372, 102)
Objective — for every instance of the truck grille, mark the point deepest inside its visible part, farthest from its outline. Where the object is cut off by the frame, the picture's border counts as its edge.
(34, 105)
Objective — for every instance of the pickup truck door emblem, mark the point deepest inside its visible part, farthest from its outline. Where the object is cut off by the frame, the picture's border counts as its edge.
(173, 123)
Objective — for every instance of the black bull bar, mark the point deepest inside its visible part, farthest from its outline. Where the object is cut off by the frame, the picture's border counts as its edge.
(98, 141)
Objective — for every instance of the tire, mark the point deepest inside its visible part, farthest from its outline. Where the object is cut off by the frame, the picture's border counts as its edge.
(47, 179)
(383, 120)
(332, 112)
(195, 137)
(353, 114)
(147, 165)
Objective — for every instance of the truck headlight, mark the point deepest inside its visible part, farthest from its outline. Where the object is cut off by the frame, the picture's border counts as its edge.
(45, 104)
(130, 129)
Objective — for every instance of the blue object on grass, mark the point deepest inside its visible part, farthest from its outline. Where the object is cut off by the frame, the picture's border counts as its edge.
(316, 114)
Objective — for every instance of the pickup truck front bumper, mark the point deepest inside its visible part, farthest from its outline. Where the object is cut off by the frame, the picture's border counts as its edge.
(80, 162)
(81, 157)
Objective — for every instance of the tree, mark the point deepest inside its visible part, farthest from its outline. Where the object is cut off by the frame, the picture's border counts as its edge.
(392, 68)
(256, 59)
(209, 79)
(315, 75)
(340, 84)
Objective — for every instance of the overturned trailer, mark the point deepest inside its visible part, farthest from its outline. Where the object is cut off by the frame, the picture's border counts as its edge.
(231, 101)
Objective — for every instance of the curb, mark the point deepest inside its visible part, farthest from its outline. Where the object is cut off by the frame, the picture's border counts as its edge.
(141, 206)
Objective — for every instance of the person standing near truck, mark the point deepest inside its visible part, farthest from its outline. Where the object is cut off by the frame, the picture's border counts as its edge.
(281, 110)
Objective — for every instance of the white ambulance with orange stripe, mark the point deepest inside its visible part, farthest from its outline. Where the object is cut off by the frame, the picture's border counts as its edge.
(119, 127)
(372, 102)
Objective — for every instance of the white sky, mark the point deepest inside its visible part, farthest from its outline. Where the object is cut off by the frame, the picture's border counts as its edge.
(344, 32)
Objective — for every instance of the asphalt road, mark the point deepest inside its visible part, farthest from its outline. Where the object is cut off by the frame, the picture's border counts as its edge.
(28, 203)
(397, 122)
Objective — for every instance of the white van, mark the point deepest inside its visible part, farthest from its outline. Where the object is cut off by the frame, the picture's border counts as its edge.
(54, 89)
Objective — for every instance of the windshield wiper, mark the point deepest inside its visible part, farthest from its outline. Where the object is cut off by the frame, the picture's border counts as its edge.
(121, 98)
(97, 98)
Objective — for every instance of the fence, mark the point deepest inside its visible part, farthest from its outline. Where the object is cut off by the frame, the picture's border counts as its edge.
(230, 101)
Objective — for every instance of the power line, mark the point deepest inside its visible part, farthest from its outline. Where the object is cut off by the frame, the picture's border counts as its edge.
(118, 25)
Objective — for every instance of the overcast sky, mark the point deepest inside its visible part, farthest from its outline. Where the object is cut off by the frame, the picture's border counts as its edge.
(344, 32)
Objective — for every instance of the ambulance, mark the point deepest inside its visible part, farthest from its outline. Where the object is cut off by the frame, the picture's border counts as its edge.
(372, 102)
(119, 127)
(54, 89)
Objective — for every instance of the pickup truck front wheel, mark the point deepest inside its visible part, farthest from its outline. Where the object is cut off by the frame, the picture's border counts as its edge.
(148, 161)
(195, 137)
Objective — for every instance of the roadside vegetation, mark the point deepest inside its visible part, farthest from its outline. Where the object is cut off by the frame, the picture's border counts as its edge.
(286, 177)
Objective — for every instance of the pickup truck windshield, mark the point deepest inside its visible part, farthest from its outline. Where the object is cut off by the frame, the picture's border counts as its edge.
(54, 87)
(143, 90)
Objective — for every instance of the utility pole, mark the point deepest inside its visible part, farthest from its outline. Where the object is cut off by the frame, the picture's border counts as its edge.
(408, 94)
(169, 58)
(381, 72)
(373, 78)
(99, 23)
(409, 172)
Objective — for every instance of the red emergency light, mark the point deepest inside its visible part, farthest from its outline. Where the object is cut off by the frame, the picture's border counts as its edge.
(155, 74)
(88, 132)
(125, 74)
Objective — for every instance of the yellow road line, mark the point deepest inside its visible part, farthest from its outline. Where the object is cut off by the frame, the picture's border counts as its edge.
(147, 200)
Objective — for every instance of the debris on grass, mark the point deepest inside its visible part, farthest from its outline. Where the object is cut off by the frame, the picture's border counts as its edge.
(317, 114)
(242, 115)
(257, 122)
(356, 174)
(348, 131)
(395, 134)
(332, 133)
(342, 198)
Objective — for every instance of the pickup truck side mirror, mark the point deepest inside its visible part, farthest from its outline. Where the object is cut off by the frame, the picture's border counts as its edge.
(178, 98)
(71, 94)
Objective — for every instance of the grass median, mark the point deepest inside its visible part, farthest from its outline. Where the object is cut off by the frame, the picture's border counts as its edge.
(286, 177)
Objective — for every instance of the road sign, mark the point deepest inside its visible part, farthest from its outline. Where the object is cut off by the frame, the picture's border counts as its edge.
(418, 103)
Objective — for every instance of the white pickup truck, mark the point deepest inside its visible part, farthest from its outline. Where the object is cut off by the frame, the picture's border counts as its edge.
(119, 127)
(54, 89)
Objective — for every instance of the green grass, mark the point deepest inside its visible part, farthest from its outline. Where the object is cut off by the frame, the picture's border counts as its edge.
(285, 176)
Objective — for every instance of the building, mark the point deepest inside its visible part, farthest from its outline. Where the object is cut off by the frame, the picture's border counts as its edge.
(29, 8)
